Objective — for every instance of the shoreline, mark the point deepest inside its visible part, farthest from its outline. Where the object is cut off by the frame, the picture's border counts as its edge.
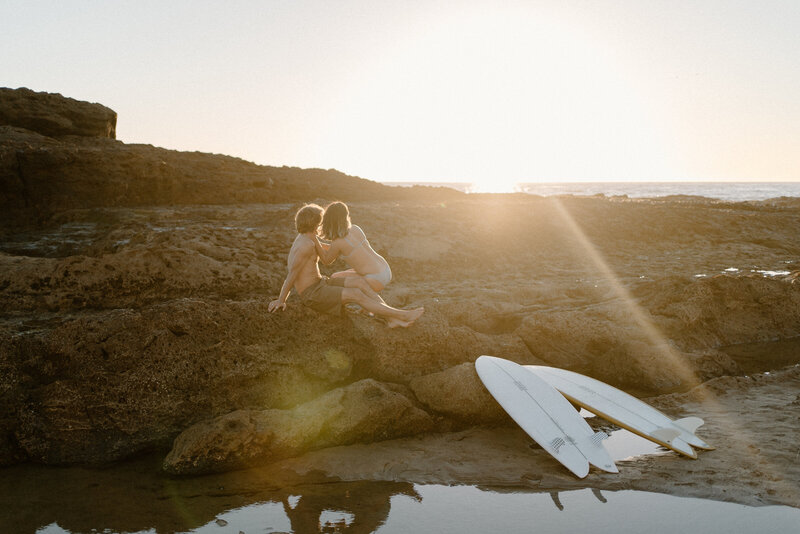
(742, 469)
(708, 191)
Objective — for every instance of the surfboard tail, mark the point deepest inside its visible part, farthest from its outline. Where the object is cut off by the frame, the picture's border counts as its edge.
(666, 434)
(689, 424)
(608, 467)
(599, 458)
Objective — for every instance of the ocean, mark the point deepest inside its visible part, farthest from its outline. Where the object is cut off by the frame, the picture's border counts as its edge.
(729, 191)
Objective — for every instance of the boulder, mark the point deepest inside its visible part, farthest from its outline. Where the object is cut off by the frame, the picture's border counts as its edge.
(458, 393)
(364, 411)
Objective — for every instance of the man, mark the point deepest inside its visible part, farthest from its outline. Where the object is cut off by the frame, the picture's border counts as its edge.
(328, 295)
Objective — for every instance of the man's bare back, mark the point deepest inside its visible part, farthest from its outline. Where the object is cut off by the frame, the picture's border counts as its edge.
(304, 257)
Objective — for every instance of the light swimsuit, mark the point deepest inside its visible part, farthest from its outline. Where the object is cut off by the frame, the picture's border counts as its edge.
(384, 276)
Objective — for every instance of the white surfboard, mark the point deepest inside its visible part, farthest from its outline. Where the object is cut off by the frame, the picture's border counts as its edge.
(624, 410)
(545, 415)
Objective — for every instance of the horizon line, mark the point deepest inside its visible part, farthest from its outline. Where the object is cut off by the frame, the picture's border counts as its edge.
(601, 181)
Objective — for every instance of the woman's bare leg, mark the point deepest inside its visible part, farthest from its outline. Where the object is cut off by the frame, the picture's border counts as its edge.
(394, 317)
(374, 284)
(351, 273)
(362, 283)
(343, 274)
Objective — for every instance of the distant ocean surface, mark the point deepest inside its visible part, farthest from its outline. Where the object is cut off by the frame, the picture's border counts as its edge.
(732, 191)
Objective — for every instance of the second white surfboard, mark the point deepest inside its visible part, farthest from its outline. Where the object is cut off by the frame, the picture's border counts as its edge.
(624, 410)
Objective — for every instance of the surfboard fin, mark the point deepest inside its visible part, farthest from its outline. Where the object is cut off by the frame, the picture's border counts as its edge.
(689, 424)
(666, 434)
(556, 501)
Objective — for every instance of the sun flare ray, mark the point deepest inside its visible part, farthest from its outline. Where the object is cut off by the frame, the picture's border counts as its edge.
(659, 341)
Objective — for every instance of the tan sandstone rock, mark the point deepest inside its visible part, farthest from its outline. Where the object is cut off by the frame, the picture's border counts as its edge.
(364, 411)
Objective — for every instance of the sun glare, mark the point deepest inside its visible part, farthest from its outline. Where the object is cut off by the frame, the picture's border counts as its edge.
(498, 98)
(494, 186)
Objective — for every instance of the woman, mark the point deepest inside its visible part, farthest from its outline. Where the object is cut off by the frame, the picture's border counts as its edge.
(349, 242)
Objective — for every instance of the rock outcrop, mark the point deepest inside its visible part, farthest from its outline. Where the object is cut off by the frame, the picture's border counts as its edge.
(134, 284)
(54, 115)
(59, 154)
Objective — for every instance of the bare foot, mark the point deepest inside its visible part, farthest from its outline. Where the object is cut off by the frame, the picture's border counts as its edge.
(411, 316)
(391, 322)
(415, 314)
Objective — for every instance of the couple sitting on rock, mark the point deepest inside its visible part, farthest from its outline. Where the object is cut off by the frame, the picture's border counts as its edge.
(360, 285)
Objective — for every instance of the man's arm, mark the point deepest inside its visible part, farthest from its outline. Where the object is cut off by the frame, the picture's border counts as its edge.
(327, 252)
(304, 254)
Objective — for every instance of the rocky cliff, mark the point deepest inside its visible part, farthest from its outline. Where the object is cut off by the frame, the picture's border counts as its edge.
(54, 115)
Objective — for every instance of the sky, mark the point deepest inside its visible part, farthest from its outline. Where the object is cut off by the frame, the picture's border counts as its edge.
(485, 92)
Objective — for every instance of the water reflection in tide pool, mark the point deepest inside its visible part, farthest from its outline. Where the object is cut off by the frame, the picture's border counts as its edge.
(622, 444)
(470, 509)
(368, 507)
(136, 498)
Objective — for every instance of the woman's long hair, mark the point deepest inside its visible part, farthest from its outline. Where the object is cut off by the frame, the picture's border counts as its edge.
(336, 221)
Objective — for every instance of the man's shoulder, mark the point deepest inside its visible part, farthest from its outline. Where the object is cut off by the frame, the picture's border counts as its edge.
(303, 245)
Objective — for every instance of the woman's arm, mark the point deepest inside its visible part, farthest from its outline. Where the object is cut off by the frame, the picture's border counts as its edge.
(327, 252)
